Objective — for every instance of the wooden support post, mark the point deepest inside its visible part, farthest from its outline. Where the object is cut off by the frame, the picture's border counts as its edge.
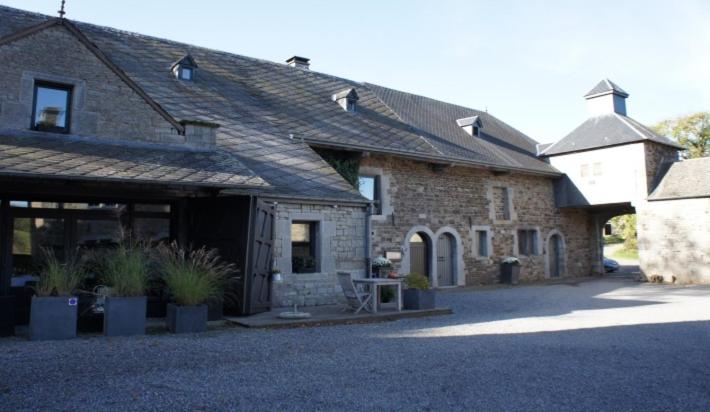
(6, 231)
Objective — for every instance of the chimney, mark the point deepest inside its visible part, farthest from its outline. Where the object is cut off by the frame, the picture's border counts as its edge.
(605, 98)
(300, 62)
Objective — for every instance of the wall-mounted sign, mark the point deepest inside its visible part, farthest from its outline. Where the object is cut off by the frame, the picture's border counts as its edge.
(393, 255)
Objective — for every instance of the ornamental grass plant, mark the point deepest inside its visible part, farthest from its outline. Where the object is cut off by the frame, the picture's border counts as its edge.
(192, 276)
(57, 278)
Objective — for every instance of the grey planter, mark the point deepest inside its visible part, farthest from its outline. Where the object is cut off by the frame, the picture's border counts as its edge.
(125, 316)
(53, 318)
(509, 273)
(186, 319)
(415, 299)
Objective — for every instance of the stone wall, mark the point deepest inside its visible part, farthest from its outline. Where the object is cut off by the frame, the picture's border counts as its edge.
(459, 199)
(674, 240)
(103, 106)
(657, 155)
(340, 247)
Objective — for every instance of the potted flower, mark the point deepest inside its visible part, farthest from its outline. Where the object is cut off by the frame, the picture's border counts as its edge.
(53, 311)
(417, 295)
(381, 266)
(192, 278)
(510, 270)
(125, 270)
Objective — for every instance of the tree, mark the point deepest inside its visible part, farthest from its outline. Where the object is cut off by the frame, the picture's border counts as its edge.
(692, 131)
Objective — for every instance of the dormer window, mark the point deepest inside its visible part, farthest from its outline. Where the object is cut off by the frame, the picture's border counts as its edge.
(347, 99)
(51, 110)
(471, 125)
(184, 69)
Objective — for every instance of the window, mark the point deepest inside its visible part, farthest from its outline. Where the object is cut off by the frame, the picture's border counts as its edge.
(51, 110)
(475, 130)
(527, 242)
(185, 73)
(351, 105)
(584, 170)
(481, 244)
(303, 247)
(502, 203)
(597, 168)
(370, 189)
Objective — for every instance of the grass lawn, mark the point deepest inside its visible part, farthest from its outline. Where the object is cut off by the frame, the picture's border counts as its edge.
(626, 254)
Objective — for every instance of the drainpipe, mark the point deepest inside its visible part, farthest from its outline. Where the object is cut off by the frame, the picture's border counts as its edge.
(368, 249)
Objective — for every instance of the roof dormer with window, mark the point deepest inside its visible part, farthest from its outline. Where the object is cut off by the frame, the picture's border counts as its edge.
(347, 99)
(185, 68)
(471, 125)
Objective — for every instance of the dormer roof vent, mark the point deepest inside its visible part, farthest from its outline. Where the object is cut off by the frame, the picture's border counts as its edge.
(300, 62)
(184, 69)
(347, 99)
(606, 97)
(471, 125)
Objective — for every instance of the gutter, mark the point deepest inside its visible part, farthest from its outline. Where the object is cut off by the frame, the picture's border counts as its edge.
(368, 248)
(429, 158)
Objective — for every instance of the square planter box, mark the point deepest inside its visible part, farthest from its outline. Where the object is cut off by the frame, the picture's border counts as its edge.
(415, 299)
(125, 316)
(53, 317)
(186, 319)
(509, 274)
(7, 315)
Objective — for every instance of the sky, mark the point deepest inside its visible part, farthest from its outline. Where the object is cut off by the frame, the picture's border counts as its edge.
(527, 62)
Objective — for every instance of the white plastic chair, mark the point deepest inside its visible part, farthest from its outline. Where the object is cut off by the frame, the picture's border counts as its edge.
(356, 299)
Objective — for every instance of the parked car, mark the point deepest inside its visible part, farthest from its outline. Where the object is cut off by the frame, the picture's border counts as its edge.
(610, 265)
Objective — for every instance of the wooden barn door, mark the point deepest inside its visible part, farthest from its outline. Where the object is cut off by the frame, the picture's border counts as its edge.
(260, 253)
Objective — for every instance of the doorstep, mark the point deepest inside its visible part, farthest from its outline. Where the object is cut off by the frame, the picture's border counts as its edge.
(329, 315)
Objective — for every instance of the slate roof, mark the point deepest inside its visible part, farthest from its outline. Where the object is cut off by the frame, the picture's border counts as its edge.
(606, 130)
(686, 179)
(80, 159)
(269, 113)
(606, 86)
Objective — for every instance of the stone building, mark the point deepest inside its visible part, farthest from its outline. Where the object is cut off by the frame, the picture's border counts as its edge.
(261, 160)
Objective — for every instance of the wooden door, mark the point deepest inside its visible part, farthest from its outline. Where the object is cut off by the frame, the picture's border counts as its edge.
(554, 256)
(418, 255)
(445, 260)
(259, 265)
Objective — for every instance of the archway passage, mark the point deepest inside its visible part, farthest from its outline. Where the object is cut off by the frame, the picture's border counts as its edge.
(419, 254)
(445, 249)
(554, 247)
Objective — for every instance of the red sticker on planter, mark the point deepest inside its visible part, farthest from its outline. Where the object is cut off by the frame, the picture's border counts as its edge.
(72, 301)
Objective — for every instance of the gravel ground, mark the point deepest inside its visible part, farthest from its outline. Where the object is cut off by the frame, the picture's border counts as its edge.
(598, 345)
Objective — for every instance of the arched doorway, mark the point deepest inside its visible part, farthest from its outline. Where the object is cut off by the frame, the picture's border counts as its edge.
(419, 254)
(554, 255)
(445, 251)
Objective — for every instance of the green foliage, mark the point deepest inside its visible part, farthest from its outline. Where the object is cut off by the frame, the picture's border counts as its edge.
(626, 254)
(59, 278)
(192, 276)
(613, 239)
(126, 269)
(626, 225)
(347, 164)
(416, 281)
(691, 131)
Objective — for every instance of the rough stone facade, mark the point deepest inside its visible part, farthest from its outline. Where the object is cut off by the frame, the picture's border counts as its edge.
(656, 156)
(103, 106)
(340, 246)
(674, 240)
(458, 200)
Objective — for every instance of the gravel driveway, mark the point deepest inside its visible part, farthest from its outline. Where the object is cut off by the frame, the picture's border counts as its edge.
(598, 345)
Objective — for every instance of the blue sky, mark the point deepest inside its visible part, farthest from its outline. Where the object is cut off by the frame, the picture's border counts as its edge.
(527, 62)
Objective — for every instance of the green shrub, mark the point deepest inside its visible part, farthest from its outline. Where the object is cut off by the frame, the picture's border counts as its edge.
(59, 278)
(192, 276)
(126, 269)
(416, 281)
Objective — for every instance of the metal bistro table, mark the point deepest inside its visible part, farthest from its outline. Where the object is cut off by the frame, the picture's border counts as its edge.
(374, 285)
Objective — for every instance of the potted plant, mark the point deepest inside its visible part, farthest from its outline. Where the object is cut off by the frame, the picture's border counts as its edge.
(53, 311)
(510, 270)
(381, 266)
(125, 270)
(417, 294)
(192, 277)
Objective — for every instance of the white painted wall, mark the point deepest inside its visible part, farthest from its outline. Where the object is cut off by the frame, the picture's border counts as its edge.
(613, 175)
